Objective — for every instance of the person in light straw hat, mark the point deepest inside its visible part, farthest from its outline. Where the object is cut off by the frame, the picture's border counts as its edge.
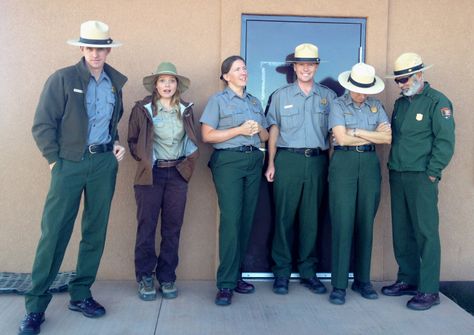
(75, 128)
(417, 158)
(357, 122)
(94, 34)
(162, 139)
(297, 165)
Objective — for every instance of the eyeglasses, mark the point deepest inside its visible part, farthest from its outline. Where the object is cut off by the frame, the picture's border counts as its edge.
(403, 80)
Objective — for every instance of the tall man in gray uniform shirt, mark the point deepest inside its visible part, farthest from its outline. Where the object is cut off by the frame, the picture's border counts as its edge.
(75, 128)
(297, 164)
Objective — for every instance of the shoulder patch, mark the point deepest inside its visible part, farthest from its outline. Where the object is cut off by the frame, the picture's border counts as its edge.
(446, 112)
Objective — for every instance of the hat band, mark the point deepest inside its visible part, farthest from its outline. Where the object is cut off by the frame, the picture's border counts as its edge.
(410, 70)
(356, 83)
(314, 59)
(98, 42)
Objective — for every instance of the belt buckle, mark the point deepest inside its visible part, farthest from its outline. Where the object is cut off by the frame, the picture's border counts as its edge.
(90, 149)
(308, 152)
(248, 148)
(357, 148)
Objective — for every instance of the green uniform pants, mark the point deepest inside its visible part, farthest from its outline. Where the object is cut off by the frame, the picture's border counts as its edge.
(298, 190)
(415, 224)
(354, 196)
(237, 178)
(94, 177)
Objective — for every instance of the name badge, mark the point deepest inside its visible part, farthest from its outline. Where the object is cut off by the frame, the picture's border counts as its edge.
(287, 106)
(78, 90)
(419, 117)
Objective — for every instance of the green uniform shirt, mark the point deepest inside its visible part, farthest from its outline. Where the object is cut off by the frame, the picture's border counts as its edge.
(422, 133)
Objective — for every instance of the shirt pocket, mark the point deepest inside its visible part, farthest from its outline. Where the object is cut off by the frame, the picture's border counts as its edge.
(230, 116)
(161, 131)
(350, 120)
(372, 121)
(321, 116)
(291, 118)
(257, 115)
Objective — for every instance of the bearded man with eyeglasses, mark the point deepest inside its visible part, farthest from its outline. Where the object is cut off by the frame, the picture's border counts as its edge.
(422, 146)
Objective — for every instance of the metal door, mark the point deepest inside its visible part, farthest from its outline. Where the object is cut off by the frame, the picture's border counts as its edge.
(267, 42)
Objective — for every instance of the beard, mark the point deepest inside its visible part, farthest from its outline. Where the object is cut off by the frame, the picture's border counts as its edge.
(413, 89)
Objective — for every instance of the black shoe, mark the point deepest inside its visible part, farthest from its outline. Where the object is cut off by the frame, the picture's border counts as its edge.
(224, 297)
(314, 285)
(365, 289)
(399, 288)
(280, 285)
(337, 296)
(88, 307)
(423, 301)
(31, 323)
(244, 287)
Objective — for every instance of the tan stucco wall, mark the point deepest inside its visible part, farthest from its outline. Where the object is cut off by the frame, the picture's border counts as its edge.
(196, 36)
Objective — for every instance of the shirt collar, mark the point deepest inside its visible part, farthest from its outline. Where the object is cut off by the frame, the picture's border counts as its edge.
(162, 108)
(297, 90)
(232, 94)
(103, 76)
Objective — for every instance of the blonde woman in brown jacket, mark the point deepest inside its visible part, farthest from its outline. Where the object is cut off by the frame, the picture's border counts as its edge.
(162, 140)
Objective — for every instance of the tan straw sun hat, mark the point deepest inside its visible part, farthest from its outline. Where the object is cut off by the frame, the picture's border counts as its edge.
(94, 34)
(407, 64)
(166, 68)
(361, 79)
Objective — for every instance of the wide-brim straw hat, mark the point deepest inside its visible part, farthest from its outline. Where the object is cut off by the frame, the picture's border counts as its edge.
(408, 64)
(361, 79)
(166, 68)
(94, 34)
(305, 53)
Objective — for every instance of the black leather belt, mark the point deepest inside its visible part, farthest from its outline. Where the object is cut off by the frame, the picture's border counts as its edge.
(307, 152)
(99, 148)
(358, 148)
(242, 148)
(167, 163)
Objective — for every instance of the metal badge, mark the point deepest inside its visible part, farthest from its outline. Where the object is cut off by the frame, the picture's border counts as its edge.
(324, 101)
(374, 109)
(419, 117)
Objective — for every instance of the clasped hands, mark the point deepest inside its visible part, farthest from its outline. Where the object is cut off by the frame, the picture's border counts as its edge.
(250, 128)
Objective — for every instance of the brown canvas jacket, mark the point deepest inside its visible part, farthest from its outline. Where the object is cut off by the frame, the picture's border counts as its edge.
(140, 142)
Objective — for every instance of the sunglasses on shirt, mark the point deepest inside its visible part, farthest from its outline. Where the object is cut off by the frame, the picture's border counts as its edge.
(403, 80)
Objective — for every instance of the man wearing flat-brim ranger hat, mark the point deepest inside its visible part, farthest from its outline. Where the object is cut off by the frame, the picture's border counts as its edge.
(75, 128)
(422, 146)
(297, 164)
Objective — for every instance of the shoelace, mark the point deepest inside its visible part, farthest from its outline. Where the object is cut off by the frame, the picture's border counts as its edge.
(34, 317)
(167, 286)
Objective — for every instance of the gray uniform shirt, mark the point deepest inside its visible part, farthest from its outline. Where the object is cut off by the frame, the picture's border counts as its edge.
(302, 119)
(100, 99)
(226, 110)
(367, 116)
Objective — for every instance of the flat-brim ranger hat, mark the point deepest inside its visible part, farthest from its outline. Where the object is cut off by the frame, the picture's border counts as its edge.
(361, 79)
(407, 64)
(305, 53)
(166, 68)
(94, 34)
